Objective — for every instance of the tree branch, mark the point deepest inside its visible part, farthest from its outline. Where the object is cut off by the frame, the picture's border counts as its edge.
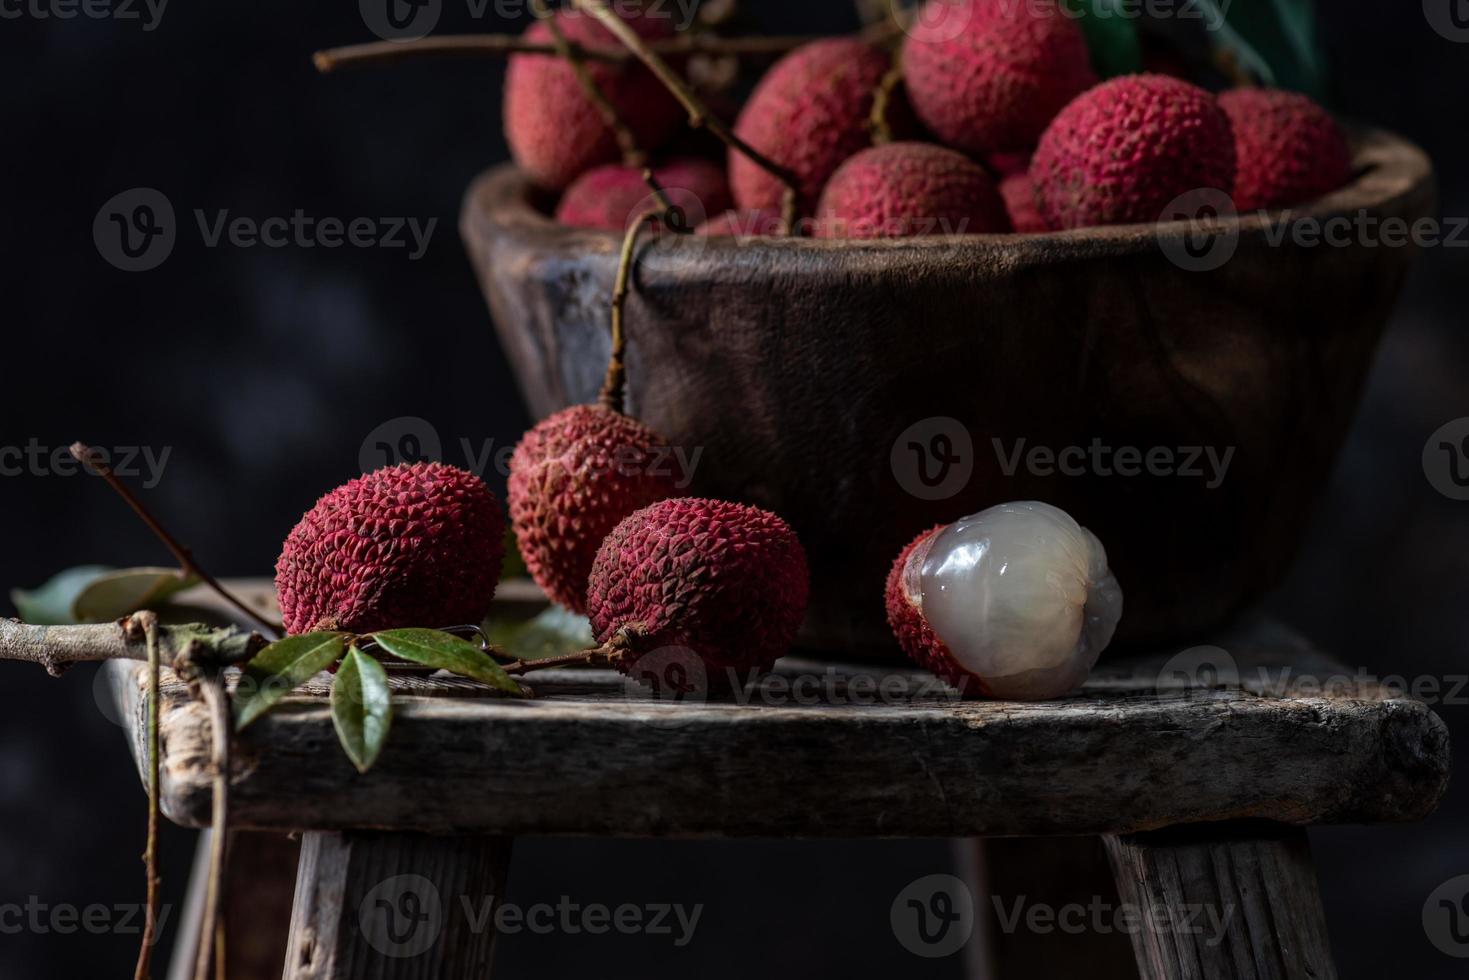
(58, 647)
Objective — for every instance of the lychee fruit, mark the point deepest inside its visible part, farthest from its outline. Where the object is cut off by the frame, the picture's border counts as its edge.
(554, 130)
(904, 189)
(1014, 602)
(573, 478)
(987, 76)
(809, 113)
(724, 581)
(1124, 150)
(742, 224)
(610, 196)
(1019, 196)
(413, 545)
(1289, 149)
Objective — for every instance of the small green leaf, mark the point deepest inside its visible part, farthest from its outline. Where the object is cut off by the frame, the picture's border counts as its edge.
(53, 604)
(1225, 36)
(362, 708)
(554, 632)
(1111, 36)
(281, 668)
(433, 648)
(120, 593)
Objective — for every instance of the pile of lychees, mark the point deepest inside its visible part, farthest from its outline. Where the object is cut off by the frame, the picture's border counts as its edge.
(999, 124)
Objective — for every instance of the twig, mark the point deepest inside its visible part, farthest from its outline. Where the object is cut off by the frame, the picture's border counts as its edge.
(58, 647)
(699, 115)
(149, 623)
(614, 386)
(602, 656)
(84, 454)
(497, 45)
(632, 154)
(210, 927)
(882, 100)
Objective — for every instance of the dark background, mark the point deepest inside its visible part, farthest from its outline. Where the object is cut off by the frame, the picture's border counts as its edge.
(264, 369)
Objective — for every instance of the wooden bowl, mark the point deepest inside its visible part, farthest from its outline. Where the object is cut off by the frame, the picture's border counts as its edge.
(814, 377)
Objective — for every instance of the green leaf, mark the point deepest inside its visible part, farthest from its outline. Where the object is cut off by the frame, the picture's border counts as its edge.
(1225, 35)
(362, 708)
(98, 594)
(281, 668)
(433, 648)
(1111, 36)
(554, 632)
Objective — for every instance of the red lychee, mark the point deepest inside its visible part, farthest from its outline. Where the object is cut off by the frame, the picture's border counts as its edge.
(741, 224)
(987, 76)
(1014, 602)
(809, 113)
(1289, 149)
(573, 478)
(725, 581)
(1019, 196)
(905, 189)
(610, 196)
(413, 545)
(1124, 150)
(554, 130)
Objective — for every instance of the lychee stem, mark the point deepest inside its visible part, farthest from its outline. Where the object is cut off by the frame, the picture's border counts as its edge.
(882, 100)
(149, 623)
(699, 115)
(88, 457)
(614, 385)
(603, 656)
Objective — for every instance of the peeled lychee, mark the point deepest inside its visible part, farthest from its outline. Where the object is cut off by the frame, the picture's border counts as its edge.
(1290, 150)
(904, 189)
(1128, 148)
(741, 224)
(554, 130)
(809, 113)
(722, 580)
(573, 478)
(987, 76)
(413, 545)
(1019, 196)
(1014, 602)
(610, 196)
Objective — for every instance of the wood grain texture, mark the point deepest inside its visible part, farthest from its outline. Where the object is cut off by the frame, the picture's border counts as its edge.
(1255, 880)
(395, 907)
(821, 750)
(795, 366)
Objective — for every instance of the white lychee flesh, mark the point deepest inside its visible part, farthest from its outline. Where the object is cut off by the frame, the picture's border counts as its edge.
(1021, 596)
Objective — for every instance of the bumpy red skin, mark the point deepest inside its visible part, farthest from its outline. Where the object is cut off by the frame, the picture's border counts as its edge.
(554, 130)
(413, 545)
(1289, 149)
(810, 113)
(727, 581)
(905, 189)
(986, 76)
(573, 478)
(1126, 149)
(741, 224)
(612, 195)
(917, 638)
(1019, 195)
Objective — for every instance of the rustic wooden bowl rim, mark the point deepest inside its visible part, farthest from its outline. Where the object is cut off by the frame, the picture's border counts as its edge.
(1386, 169)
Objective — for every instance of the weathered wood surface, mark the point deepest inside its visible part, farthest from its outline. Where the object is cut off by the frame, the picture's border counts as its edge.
(821, 750)
(395, 907)
(806, 371)
(1224, 903)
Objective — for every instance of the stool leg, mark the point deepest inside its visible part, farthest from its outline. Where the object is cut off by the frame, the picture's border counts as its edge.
(1223, 901)
(395, 906)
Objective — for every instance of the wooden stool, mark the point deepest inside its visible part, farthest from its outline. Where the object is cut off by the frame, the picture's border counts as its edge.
(1199, 771)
